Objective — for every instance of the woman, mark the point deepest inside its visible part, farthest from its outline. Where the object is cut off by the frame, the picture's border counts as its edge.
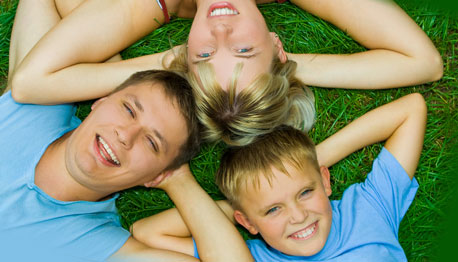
(244, 81)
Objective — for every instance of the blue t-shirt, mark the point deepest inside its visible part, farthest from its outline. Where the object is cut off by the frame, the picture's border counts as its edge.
(33, 224)
(365, 221)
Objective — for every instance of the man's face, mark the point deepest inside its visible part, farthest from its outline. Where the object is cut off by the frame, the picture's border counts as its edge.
(128, 139)
(293, 215)
(225, 33)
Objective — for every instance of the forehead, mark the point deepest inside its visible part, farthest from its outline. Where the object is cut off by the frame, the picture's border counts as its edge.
(279, 183)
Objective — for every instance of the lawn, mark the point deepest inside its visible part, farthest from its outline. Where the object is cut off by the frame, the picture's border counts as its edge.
(423, 226)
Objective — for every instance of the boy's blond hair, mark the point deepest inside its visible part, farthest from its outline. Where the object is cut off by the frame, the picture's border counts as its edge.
(241, 167)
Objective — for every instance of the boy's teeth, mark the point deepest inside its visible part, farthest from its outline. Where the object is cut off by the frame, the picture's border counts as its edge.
(108, 149)
(223, 11)
(305, 233)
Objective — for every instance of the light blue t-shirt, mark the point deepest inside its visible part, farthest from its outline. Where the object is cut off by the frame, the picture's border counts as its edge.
(33, 224)
(365, 221)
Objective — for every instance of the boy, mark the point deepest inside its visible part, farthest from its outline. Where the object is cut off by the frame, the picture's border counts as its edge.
(59, 176)
(279, 190)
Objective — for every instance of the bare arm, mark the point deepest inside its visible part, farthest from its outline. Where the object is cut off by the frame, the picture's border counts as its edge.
(168, 231)
(198, 215)
(65, 65)
(135, 251)
(400, 54)
(401, 123)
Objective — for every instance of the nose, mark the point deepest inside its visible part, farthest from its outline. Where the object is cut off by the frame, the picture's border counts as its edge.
(221, 31)
(127, 134)
(298, 214)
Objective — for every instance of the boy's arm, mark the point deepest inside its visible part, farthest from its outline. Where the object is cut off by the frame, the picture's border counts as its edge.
(401, 123)
(168, 231)
(400, 54)
(216, 237)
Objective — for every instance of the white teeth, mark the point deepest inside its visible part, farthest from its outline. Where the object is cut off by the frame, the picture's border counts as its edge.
(306, 233)
(108, 149)
(223, 11)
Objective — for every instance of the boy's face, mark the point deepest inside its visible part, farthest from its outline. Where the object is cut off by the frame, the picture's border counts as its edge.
(293, 215)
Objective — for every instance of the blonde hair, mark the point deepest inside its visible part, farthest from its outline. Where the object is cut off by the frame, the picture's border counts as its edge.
(242, 167)
(272, 99)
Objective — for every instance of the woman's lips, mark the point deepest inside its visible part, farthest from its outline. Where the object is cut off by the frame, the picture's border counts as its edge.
(221, 9)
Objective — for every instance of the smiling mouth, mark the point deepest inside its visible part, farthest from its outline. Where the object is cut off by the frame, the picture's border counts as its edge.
(305, 233)
(222, 9)
(106, 152)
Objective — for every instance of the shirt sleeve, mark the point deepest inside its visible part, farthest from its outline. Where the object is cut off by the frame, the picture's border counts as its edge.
(196, 252)
(389, 189)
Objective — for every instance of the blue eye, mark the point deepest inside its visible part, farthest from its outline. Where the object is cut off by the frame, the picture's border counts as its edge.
(305, 192)
(204, 55)
(272, 210)
(244, 50)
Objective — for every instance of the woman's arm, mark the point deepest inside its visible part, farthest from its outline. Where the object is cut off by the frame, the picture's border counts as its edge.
(401, 123)
(65, 65)
(400, 54)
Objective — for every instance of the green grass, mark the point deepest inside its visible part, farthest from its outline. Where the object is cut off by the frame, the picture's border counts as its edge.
(424, 223)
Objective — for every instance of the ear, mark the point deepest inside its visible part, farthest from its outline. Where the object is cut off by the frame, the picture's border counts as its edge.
(245, 222)
(326, 179)
(97, 102)
(281, 53)
(158, 179)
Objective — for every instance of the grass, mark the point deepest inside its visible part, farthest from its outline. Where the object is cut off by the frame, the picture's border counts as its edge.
(425, 221)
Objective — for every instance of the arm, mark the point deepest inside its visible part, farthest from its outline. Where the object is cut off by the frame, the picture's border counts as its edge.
(168, 231)
(198, 215)
(401, 123)
(65, 65)
(135, 251)
(400, 54)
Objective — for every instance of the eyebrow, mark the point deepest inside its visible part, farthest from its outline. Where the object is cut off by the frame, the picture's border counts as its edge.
(159, 136)
(136, 102)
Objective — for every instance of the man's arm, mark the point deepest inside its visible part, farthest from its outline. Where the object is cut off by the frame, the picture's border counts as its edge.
(400, 54)
(168, 231)
(401, 123)
(198, 215)
(135, 251)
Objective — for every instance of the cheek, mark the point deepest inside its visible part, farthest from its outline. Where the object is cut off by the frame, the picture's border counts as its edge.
(272, 228)
(323, 205)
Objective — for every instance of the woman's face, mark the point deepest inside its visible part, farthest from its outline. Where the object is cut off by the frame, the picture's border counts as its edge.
(225, 33)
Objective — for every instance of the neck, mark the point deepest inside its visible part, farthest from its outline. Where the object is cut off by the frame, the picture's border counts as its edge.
(53, 177)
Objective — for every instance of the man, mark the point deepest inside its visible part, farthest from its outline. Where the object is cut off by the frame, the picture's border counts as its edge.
(59, 176)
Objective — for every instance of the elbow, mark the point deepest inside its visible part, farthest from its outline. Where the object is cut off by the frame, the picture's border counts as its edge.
(25, 88)
(433, 66)
(436, 67)
(417, 105)
(19, 87)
